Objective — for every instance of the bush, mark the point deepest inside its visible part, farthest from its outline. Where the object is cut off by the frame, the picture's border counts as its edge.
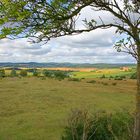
(103, 76)
(133, 76)
(60, 75)
(13, 73)
(111, 77)
(23, 73)
(43, 78)
(74, 79)
(114, 84)
(83, 78)
(101, 126)
(104, 83)
(57, 74)
(2, 73)
(30, 70)
(35, 72)
(48, 73)
(123, 76)
(118, 78)
(92, 81)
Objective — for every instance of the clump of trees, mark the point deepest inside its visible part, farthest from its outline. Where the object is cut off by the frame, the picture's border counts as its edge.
(23, 73)
(57, 74)
(103, 76)
(133, 76)
(35, 72)
(13, 73)
(2, 73)
(121, 77)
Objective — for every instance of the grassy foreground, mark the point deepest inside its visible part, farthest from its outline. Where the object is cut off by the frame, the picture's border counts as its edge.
(36, 109)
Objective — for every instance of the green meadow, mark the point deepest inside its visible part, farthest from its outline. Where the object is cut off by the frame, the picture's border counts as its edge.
(34, 108)
(107, 72)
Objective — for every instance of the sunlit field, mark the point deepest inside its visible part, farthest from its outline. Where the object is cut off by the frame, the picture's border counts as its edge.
(107, 72)
(36, 108)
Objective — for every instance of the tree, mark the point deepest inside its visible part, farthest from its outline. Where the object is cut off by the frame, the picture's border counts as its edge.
(2, 73)
(42, 20)
(13, 73)
(35, 72)
(23, 73)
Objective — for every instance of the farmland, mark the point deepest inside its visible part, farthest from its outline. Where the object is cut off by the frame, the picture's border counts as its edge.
(36, 108)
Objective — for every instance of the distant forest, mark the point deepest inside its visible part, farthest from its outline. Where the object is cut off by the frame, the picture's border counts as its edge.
(73, 65)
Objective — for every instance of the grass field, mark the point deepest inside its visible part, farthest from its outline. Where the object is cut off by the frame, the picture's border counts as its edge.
(36, 109)
(107, 72)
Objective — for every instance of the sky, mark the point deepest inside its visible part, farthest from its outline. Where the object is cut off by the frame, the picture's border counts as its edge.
(92, 47)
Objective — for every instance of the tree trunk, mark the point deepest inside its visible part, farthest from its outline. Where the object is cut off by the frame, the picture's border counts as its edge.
(137, 117)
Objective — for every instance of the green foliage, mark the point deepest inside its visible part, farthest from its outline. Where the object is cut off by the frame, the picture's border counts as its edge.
(48, 73)
(114, 84)
(133, 76)
(103, 76)
(92, 81)
(23, 73)
(104, 83)
(35, 72)
(59, 16)
(74, 79)
(118, 78)
(13, 73)
(99, 126)
(2, 73)
(60, 75)
(111, 77)
(43, 78)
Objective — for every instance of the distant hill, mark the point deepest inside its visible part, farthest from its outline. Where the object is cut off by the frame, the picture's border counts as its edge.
(69, 65)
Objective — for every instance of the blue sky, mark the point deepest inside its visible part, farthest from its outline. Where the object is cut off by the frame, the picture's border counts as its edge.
(93, 47)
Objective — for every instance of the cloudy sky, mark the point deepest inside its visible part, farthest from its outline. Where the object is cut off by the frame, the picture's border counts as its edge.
(93, 47)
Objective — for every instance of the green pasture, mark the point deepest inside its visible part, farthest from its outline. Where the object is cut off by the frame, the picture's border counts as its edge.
(99, 73)
(36, 109)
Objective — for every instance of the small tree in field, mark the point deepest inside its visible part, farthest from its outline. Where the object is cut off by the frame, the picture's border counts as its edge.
(23, 73)
(2, 73)
(35, 72)
(42, 20)
(13, 73)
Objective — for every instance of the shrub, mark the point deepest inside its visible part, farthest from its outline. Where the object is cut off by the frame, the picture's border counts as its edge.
(23, 73)
(43, 78)
(92, 81)
(133, 76)
(118, 78)
(104, 83)
(35, 72)
(114, 84)
(48, 73)
(13, 73)
(2, 73)
(60, 75)
(74, 79)
(101, 126)
(57, 74)
(103, 76)
(111, 77)
(123, 76)
(83, 78)
(30, 70)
